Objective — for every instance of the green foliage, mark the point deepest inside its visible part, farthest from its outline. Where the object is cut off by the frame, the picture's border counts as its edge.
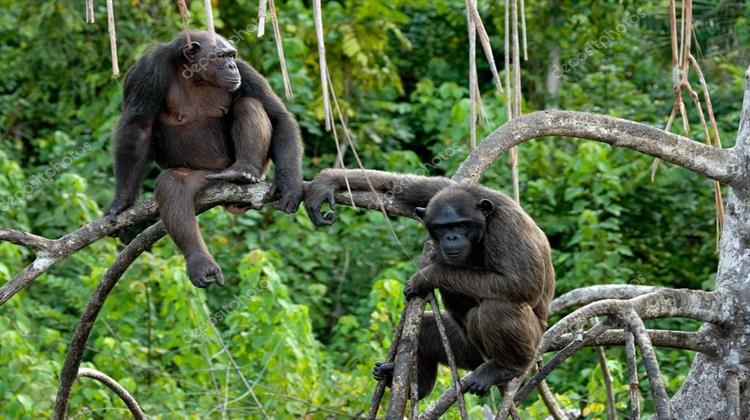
(306, 312)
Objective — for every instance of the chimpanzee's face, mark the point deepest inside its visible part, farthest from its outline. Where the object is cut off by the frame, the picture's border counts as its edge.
(456, 223)
(213, 64)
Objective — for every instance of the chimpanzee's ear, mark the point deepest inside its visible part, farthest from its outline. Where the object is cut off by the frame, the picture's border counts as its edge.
(420, 212)
(486, 206)
(190, 50)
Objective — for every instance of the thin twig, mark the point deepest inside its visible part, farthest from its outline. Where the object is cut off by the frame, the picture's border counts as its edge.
(473, 85)
(611, 410)
(185, 15)
(549, 400)
(125, 396)
(523, 31)
(112, 38)
(449, 355)
(280, 50)
(210, 21)
(377, 396)
(318, 17)
(484, 39)
(262, 17)
(635, 392)
(89, 11)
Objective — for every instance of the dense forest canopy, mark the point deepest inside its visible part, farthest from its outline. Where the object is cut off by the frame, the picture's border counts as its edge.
(306, 312)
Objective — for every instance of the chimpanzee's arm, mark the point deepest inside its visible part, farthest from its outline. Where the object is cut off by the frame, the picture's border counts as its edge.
(478, 283)
(144, 91)
(409, 190)
(286, 146)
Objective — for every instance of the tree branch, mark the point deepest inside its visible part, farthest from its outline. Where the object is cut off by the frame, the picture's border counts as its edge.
(118, 389)
(722, 165)
(50, 252)
(682, 340)
(586, 295)
(81, 335)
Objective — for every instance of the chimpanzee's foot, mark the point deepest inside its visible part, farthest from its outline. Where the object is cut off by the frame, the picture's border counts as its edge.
(239, 173)
(201, 268)
(383, 372)
(488, 375)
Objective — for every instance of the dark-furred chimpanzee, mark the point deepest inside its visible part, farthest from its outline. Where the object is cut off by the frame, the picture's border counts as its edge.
(203, 115)
(492, 266)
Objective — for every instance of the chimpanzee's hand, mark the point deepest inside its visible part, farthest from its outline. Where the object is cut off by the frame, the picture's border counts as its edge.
(418, 286)
(290, 194)
(320, 191)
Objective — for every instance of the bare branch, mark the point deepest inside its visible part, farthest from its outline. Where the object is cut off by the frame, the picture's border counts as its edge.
(118, 389)
(280, 50)
(586, 295)
(682, 340)
(548, 397)
(77, 345)
(658, 391)
(449, 356)
(664, 303)
(253, 196)
(611, 411)
(562, 355)
(402, 369)
(380, 388)
(635, 392)
(25, 239)
(718, 164)
(112, 37)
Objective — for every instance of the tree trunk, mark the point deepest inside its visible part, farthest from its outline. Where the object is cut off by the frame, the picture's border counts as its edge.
(707, 391)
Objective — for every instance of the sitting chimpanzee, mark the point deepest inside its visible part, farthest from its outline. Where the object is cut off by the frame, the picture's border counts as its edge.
(203, 115)
(492, 267)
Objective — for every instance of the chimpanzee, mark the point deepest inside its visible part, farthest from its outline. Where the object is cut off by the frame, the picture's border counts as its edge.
(203, 115)
(492, 266)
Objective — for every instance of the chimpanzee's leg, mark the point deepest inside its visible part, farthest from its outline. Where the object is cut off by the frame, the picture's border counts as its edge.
(175, 194)
(251, 135)
(507, 334)
(431, 353)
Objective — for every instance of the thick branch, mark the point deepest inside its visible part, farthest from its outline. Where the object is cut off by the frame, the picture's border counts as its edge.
(50, 252)
(118, 389)
(682, 340)
(718, 164)
(586, 295)
(664, 303)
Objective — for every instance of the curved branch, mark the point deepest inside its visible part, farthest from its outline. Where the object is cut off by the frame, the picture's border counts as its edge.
(118, 389)
(722, 165)
(81, 335)
(50, 252)
(682, 340)
(586, 295)
(664, 303)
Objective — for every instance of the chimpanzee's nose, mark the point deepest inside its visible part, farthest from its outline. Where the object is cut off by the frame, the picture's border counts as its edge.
(451, 237)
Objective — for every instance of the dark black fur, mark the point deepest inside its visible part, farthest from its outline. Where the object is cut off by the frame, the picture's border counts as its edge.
(202, 115)
(492, 266)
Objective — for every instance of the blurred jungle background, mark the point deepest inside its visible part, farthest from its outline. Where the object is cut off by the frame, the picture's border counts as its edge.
(307, 312)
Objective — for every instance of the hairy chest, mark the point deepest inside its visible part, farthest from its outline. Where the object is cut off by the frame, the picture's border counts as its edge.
(192, 104)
